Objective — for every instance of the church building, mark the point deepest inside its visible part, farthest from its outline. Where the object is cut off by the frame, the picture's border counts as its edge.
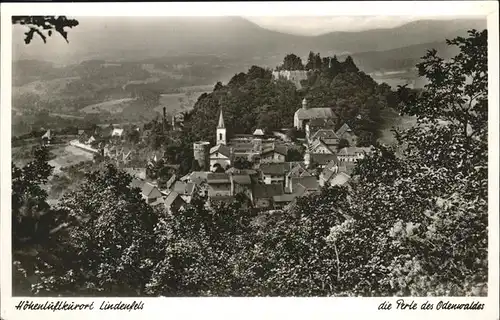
(306, 114)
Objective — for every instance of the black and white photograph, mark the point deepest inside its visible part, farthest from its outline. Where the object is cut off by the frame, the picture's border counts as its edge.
(248, 156)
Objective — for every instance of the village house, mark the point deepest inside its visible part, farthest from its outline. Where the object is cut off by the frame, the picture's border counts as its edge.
(241, 184)
(271, 173)
(47, 137)
(117, 132)
(219, 185)
(263, 195)
(174, 203)
(300, 185)
(346, 133)
(186, 190)
(276, 153)
(353, 154)
(298, 170)
(149, 192)
(314, 125)
(318, 160)
(319, 147)
(325, 137)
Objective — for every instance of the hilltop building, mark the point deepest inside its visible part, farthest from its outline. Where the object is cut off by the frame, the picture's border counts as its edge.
(295, 76)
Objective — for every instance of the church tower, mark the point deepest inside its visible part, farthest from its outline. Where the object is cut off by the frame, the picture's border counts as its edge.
(221, 130)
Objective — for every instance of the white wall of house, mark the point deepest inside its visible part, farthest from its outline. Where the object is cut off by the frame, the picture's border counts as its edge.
(269, 179)
(272, 157)
(320, 148)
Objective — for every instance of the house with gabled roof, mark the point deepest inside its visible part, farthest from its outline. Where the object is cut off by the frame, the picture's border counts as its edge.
(346, 133)
(326, 137)
(273, 153)
(340, 179)
(309, 183)
(319, 147)
(297, 170)
(117, 132)
(258, 133)
(241, 184)
(174, 202)
(186, 190)
(273, 172)
(353, 154)
(219, 184)
(263, 194)
(47, 137)
(150, 192)
(313, 125)
(321, 159)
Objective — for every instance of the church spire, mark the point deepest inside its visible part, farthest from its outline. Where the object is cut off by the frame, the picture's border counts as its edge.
(221, 125)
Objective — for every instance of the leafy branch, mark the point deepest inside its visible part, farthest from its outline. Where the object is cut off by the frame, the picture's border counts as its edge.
(45, 26)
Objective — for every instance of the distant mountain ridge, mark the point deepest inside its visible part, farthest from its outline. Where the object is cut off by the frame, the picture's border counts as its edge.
(125, 38)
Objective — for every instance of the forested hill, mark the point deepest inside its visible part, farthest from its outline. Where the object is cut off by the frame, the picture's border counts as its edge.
(249, 100)
(253, 100)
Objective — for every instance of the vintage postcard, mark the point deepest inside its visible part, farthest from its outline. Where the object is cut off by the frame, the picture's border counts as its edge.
(250, 160)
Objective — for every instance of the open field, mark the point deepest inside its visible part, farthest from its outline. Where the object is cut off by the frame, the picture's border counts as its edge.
(43, 88)
(178, 102)
(112, 106)
(197, 89)
(67, 156)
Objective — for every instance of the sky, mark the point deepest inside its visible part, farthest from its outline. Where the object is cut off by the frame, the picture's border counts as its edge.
(315, 25)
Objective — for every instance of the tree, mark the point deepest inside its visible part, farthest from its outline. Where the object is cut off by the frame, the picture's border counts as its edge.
(133, 136)
(349, 65)
(292, 62)
(457, 89)
(106, 249)
(295, 134)
(203, 251)
(37, 229)
(294, 155)
(310, 61)
(195, 166)
(342, 144)
(44, 26)
(242, 163)
(418, 216)
(218, 168)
